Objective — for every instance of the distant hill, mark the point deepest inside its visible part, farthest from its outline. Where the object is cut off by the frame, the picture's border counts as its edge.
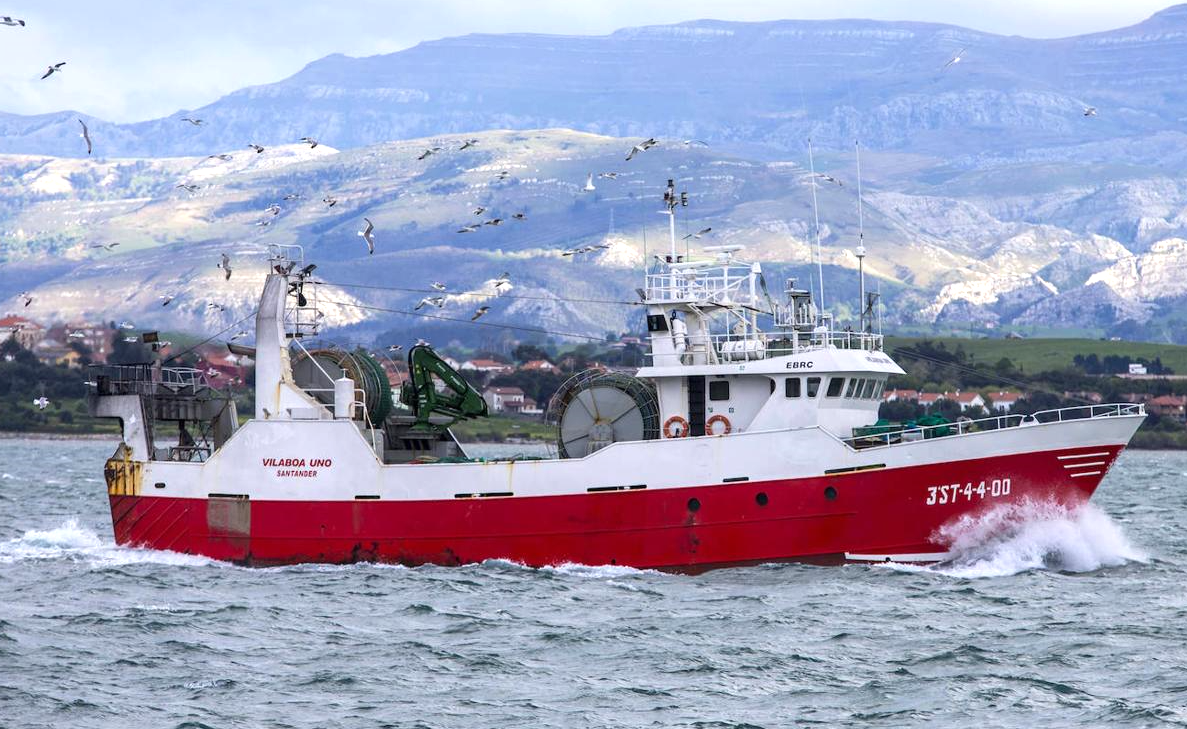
(992, 202)
(765, 86)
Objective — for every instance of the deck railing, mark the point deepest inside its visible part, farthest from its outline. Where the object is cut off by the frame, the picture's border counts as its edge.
(994, 422)
(145, 379)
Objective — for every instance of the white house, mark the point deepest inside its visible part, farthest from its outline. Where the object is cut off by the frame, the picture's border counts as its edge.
(503, 399)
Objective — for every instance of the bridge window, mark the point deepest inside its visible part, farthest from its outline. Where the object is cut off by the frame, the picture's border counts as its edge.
(791, 387)
(853, 384)
(719, 390)
(835, 385)
(867, 389)
(813, 386)
(879, 389)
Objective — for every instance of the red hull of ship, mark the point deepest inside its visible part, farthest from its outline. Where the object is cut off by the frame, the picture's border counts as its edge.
(874, 512)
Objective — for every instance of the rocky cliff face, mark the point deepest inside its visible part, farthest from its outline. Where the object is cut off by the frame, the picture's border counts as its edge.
(942, 261)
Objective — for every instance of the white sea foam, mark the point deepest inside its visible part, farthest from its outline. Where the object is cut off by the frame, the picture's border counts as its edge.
(596, 571)
(1032, 536)
(74, 542)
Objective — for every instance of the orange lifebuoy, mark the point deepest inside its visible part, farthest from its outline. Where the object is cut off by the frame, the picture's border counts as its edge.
(682, 427)
(718, 419)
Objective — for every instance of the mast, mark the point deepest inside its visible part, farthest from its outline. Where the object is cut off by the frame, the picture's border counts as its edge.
(861, 246)
(816, 215)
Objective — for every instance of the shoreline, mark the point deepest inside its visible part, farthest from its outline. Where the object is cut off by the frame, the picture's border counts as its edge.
(39, 435)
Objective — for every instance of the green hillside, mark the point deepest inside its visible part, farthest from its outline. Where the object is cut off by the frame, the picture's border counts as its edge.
(1037, 355)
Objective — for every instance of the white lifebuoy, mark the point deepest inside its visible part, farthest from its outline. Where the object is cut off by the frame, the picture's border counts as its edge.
(718, 419)
(680, 430)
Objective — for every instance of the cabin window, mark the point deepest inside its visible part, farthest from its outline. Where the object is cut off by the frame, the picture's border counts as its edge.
(835, 385)
(867, 389)
(791, 387)
(657, 323)
(813, 386)
(852, 386)
(879, 389)
(719, 390)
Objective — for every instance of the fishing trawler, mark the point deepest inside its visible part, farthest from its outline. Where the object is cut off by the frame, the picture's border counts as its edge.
(733, 445)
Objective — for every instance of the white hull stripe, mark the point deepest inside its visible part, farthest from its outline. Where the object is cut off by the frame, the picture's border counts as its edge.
(919, 557)
(1086, 473)
(1086, 464)
(1083, 455)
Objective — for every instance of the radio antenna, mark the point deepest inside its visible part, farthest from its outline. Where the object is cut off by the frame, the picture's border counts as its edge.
(816, 216)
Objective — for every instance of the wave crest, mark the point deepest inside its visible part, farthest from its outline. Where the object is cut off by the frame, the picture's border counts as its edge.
(1016, 538)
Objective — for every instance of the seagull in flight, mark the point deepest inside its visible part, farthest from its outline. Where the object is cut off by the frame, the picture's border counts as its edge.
(41, 402)
(132, 339)
(188, 188)
(427, 152)
(393, 348)
(437, 301)
(830, 178)
(519, 216)
(216, 305)
(589, 186)
(367, 236)
(330, 201)
(479, 210)
(470, 228)
(494, 221)
(223, 157)
(292, 196)
(225, 265)
(1089, 111)
(954, 60)
(192, 120)
(127, 325)
(641, 147)
(263, 223)
(503, 280)
(7, 20)
(608, 175)
(105, 246)
(310, 141)
(26, 296)
(273, 208)
(165, 300)
(239, 335)
(86, 134)
(572, 251)
(694, 143)
(503, 174)
(257, 148)
(437, 286)
(52, 69)
(479, 312)
(468, 143)
(697, 234)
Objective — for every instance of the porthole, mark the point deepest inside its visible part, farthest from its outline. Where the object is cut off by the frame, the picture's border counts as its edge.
(694, 505)
(830, 493)
(761, 498)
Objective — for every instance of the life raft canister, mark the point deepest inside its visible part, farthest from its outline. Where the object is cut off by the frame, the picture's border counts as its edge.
(718, 419)
(675, 427)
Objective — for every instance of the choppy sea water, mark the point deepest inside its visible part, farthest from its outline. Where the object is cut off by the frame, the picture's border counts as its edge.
(1046, 619)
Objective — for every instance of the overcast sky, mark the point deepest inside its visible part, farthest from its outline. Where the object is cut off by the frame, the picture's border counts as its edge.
(134, 60)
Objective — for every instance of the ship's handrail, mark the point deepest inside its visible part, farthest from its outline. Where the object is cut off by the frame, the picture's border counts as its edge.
(144, 379)
(714, 284)
(994, 422)
(761, 345)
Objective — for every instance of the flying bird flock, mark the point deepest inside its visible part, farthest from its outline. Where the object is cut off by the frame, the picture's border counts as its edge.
(480, 216)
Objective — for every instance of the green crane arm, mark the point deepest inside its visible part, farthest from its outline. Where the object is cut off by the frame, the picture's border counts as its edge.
(458, 400)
